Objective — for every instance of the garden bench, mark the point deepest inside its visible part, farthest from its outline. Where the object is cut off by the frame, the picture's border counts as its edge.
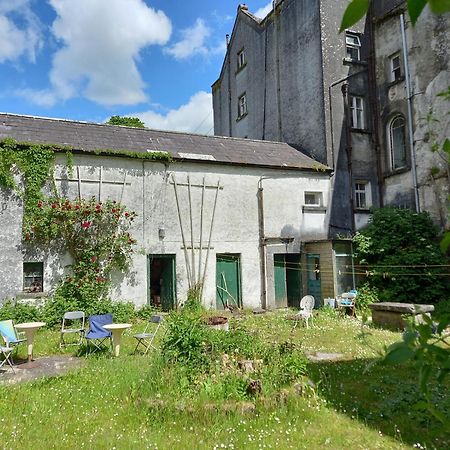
(390, 314)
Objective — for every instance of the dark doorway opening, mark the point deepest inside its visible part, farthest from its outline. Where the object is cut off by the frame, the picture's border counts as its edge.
(287, 280)
(161, 278)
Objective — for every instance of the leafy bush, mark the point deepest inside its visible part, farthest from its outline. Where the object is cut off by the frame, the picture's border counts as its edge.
(146, 311)
(194, 299)
(19, 312)
(366, 295)
(400, 251)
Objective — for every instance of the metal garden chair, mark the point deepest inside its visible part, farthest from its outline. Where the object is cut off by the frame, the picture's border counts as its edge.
(6, 353)
(10, 335)
(146, 338)
(69, 326)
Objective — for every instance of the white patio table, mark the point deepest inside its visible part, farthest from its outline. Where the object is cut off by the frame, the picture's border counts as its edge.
(30, 329)
(116, 329)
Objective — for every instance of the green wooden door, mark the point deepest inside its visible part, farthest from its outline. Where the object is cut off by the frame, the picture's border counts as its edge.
(228, 280)
(168, 284)
(293, 280)
(314, 284)
(279, 269)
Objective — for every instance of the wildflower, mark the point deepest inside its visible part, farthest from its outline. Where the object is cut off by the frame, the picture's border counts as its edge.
(86, 224)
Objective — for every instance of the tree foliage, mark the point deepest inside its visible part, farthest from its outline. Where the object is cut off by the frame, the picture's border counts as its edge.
(357, 9)
(126, 121)
(399, 251)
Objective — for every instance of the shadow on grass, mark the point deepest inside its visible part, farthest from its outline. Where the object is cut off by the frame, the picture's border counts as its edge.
(384, 397)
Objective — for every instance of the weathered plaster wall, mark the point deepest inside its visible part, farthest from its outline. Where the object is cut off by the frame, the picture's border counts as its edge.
(429, 62)
(11, 269)
(148, 189)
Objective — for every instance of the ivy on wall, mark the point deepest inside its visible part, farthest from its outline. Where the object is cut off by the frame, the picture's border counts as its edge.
(94, 233)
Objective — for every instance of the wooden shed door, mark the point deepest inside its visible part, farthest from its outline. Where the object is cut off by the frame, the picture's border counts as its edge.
(314, 285)
(228, 280)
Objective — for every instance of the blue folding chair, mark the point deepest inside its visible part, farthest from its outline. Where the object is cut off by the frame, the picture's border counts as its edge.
(97, 335)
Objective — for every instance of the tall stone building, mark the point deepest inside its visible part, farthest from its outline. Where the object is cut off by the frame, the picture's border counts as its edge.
(356, 101)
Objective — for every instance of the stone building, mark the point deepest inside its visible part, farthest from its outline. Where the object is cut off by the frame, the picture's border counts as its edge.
(356, 101)
(225, 211)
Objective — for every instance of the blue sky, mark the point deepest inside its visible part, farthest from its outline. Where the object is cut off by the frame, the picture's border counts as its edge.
(90, 59)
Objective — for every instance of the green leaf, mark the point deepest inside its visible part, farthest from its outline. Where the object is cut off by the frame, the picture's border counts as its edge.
(445, 243)
(415, 7)
(354, 12)
(439, 6)
(446, 146)
(398, 353)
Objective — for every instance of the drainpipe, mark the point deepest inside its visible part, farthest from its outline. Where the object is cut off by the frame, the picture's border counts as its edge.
(348, 150)
(229, 86)
(262, 244)
(410, 113)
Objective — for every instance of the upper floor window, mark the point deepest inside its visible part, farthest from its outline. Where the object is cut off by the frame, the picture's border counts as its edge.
(395, 67)
(362, 195)
(397, 142)
(242, 105)
(33, 276)
(241, 59)
(353, 46)
(357, 112)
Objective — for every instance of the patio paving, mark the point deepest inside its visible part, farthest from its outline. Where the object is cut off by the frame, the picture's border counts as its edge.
(51, 366)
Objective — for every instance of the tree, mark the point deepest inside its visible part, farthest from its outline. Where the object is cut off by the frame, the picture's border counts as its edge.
(357, 9)
(126, 121)
(400, 253)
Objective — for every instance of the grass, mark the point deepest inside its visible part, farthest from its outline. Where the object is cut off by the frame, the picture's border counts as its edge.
(138, 402)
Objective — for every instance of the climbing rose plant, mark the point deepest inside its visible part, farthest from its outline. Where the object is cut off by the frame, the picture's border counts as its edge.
(96, 236)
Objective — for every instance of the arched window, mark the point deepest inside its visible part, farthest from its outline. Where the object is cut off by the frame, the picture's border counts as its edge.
(397, 142)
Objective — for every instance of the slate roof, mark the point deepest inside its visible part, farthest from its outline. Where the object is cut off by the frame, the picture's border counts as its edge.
(88, 137)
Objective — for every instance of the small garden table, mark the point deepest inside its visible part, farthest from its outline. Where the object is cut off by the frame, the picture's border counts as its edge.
(30, 329)
(116, 329)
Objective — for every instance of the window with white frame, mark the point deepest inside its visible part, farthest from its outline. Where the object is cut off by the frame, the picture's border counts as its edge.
(357, 112)
(397, 142)
(353, 46)
(395, 67)
(362, 195)
(240, 59)
(242, 105)
(313, 199)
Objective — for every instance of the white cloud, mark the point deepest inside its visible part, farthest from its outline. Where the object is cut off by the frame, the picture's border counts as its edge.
(262, 12)
(192, 42)
(101, 44)
(17, 40)
(196, 116)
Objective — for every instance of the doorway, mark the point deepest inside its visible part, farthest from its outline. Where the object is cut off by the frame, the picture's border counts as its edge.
(314, 282)
(287, 280)
(161, 281)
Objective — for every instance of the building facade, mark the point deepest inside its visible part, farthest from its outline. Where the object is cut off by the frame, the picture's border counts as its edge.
(357, 101)
(233, 214)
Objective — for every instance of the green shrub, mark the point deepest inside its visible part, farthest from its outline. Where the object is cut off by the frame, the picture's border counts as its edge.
(19, 312)
(400, 250)
(366, 295)
(194, 299)
(146, 311)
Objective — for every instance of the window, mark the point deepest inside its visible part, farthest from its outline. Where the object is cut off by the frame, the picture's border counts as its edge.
(362, 195)
(242, 106)
(357, 112)
(397, 142)
(33, 276)
(353, 46)
(240, 59)
(396, 70)
(313, 198)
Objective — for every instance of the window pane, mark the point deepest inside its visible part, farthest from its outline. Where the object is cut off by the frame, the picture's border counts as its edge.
(398, 143)
(33, 276)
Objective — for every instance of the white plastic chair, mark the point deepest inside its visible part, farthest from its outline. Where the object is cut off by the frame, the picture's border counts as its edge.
(305, 313)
